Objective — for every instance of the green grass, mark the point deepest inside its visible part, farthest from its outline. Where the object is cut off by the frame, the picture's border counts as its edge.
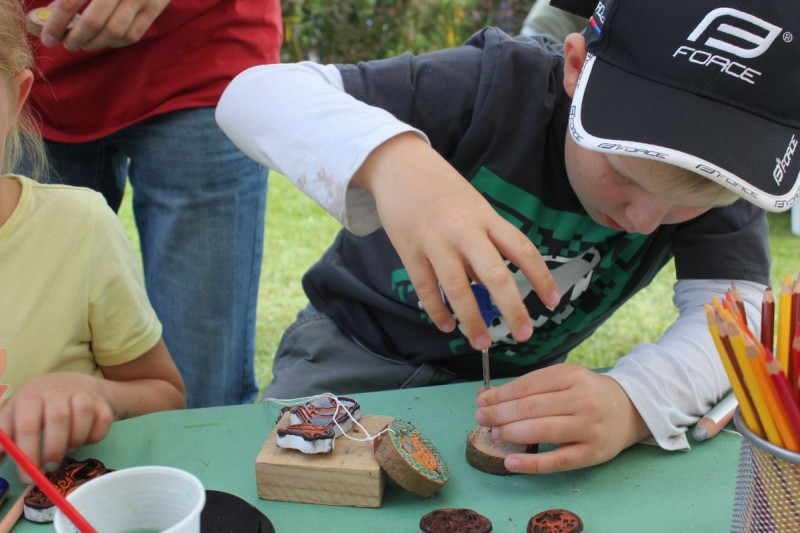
(297, 231)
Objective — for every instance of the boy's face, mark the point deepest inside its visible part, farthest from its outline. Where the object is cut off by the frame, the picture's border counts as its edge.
(622, 192)
(625, 193)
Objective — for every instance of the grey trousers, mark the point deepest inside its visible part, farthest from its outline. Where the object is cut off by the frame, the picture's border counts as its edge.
(316, 356)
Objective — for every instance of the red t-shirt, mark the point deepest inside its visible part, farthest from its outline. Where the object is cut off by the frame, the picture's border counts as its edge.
(185, 60)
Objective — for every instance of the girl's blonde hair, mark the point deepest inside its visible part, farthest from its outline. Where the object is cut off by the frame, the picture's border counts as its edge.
(23, 139)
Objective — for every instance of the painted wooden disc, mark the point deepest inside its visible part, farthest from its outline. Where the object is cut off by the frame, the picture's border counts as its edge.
(69, 475)
(487, 455)
(411, 459)
(555, 521)
(454, 521)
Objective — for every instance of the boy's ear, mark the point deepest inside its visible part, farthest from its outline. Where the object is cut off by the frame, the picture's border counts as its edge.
(574, 57)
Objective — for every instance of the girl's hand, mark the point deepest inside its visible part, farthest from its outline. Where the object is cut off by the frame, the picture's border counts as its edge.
(55, 412)
(588, 414)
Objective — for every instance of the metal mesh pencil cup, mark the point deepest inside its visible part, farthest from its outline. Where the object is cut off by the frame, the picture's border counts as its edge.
(767, 495)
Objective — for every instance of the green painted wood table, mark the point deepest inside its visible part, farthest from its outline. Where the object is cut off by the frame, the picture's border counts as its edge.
(644, 489)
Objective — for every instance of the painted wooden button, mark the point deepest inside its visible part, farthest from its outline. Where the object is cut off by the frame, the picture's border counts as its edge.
(454, 521)
(555, 521)
(411, 459)
(70, 475)
(323, 410)
(307, 438)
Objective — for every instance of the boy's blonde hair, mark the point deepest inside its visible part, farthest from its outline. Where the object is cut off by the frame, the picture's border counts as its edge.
(678, 179)
(23, 138)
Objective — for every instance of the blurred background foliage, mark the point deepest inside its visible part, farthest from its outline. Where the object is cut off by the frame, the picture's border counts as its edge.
(346, 32)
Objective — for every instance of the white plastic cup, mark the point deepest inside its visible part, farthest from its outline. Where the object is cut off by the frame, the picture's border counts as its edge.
(143, 498)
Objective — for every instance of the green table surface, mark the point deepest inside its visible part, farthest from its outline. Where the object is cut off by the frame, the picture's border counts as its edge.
(643, 489)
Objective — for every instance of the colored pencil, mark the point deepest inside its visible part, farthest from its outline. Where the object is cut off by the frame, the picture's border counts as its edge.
(44, 484)
(784, 324)
(716, 418)
(15, 512)
(751, 380)
(737, 299)
(768, 319)
(789, 436)
(795, 383)
(794, 366)
(785, 393)
(734, 373)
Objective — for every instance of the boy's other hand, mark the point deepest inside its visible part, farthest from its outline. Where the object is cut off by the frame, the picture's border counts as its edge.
(447, 234)
(586, 413)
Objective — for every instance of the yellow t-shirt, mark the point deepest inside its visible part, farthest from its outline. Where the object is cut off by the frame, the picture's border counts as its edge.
(71, 289)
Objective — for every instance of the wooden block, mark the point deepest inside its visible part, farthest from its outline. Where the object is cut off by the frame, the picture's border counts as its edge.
(348, 476)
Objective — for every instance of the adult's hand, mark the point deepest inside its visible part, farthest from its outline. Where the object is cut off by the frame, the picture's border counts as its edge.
(102, 23)
(447, 234)
(588, 414)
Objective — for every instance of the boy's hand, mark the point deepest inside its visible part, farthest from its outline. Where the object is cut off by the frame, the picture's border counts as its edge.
(586, 413)
(104, 23)
(55, 412)
(447, 234)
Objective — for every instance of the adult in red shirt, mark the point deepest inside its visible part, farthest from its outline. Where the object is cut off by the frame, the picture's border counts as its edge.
(128, 92)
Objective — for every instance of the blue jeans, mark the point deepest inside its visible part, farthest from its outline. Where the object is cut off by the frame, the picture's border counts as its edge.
(199, 205)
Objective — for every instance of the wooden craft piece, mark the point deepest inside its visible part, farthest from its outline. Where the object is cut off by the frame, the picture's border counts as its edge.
(35, 19)
(307, 438)
(555, 521)
(70, 475)
(349, 475)
(409, 458)
(487, 455)
(322, 410)
(454, 521)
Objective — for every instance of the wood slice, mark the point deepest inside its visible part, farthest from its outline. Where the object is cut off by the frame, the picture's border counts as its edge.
(487, 455)
(454, 521)
(411, 459)
(555, 521)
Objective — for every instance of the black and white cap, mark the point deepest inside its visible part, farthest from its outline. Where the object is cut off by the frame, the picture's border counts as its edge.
(712, 86)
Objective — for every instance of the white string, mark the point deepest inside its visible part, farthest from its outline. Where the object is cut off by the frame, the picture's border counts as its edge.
(335, 399)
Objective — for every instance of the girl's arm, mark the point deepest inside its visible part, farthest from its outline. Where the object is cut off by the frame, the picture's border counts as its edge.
(58, 411)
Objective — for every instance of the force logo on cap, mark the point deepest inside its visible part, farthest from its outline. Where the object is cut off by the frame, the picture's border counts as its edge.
(707, 85)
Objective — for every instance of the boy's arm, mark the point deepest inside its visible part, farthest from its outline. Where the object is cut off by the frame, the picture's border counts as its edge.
(442, 228)
(297, 120)
(674, 381)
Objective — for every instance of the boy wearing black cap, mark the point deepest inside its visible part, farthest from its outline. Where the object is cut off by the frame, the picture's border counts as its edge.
(562, 181)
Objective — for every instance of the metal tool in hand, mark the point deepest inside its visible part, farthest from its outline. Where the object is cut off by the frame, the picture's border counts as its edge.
(488, 312)
(487, 382)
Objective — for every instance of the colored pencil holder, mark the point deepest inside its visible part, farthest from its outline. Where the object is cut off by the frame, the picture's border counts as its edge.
(767, 485)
